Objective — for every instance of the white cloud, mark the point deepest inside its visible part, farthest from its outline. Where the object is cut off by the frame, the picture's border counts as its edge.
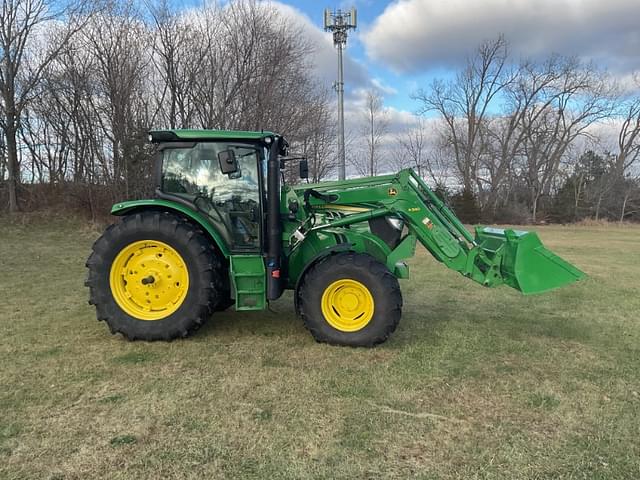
(355, 115)
(382, 87)
(325, 57)
(417, 35)
(629, 83)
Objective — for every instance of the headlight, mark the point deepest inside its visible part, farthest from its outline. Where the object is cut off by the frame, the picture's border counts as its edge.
(396, 223)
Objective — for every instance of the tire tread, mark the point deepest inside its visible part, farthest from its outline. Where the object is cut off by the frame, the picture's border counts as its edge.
(204, 300)
(363, 262)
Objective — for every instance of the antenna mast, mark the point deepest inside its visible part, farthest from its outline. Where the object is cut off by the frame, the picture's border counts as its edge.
(339, 22)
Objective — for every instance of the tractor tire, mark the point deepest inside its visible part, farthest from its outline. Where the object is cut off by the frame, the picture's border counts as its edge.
(153, 276)
(224, 298)
(225, 302)
(350, 299)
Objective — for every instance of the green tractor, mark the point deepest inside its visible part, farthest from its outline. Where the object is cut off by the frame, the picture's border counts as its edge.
(224, 230)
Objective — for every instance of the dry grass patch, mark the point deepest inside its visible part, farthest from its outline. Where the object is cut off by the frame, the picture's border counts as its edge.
(475, 383)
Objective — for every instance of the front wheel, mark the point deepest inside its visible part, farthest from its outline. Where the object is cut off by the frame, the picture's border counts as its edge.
(153, 276)
(350, 299)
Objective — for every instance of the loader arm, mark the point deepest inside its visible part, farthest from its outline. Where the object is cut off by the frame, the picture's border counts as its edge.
(490, 257)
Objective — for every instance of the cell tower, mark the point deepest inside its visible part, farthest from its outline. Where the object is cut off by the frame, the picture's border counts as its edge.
(339, 23)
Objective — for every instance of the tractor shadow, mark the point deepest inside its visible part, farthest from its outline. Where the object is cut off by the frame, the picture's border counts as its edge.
(433, 318)
(280, 320)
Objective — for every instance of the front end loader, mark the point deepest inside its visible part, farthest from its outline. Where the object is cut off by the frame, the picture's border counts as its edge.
(223, 230)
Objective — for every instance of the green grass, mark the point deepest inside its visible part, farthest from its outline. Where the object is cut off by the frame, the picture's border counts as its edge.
(476, 383)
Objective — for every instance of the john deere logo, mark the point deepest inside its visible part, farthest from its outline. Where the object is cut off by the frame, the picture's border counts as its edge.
(393, 192)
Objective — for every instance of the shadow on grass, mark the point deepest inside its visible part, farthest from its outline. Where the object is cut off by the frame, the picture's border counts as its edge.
(439, 316)
(470, 333)
(556, 315)
(281, 321)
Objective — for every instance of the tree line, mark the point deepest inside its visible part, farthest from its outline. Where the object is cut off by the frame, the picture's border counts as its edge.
(553, 139)
(82, 85)
(503, 140)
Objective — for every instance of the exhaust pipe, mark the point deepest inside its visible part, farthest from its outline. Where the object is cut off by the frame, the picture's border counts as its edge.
(274, 225)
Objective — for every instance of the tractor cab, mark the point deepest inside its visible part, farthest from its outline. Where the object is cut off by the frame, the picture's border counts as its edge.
(232, 180)
(220, 175)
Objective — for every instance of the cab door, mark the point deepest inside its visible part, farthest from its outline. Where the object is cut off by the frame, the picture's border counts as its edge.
(232, 202)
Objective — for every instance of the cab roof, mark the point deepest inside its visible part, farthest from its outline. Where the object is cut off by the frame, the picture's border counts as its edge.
(177, 135)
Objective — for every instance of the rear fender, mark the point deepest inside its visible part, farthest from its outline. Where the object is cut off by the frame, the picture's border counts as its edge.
(126, 208)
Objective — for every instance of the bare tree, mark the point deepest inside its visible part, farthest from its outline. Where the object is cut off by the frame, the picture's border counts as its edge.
(23, 65)
(564, 112)
(117, 40)
(83, 99)
(374, 126)
(629, 135)
(411, 148)
(420, 149)
(317, 141)
(179, 50)
(628, 155)
(527, 94)
(464, 102)
(240, 65)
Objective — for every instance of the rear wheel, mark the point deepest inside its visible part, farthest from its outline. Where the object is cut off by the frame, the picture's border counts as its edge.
(225, 304)
(350, 299)
(153, 276)
(224, 298)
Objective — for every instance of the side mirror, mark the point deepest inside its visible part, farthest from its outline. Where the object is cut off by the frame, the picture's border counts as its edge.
(283, 147)
(228, 163)
(304, 169)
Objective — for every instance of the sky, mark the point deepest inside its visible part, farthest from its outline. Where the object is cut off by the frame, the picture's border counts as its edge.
(401, 46)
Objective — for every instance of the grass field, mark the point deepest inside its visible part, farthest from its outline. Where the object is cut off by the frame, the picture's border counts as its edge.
(475, 383)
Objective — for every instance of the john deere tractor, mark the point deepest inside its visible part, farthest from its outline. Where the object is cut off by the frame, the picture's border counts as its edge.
(223, 230)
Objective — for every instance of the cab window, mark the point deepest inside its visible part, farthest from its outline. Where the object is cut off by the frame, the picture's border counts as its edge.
(232, 202)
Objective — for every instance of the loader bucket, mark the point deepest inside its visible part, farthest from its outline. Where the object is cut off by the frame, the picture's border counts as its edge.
(526, 264)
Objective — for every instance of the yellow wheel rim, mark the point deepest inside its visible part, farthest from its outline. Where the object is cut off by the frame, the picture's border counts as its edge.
(149, 280)
(347, 305)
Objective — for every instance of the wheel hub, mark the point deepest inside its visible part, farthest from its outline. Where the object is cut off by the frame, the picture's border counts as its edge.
(149, 280)
(347, 305)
